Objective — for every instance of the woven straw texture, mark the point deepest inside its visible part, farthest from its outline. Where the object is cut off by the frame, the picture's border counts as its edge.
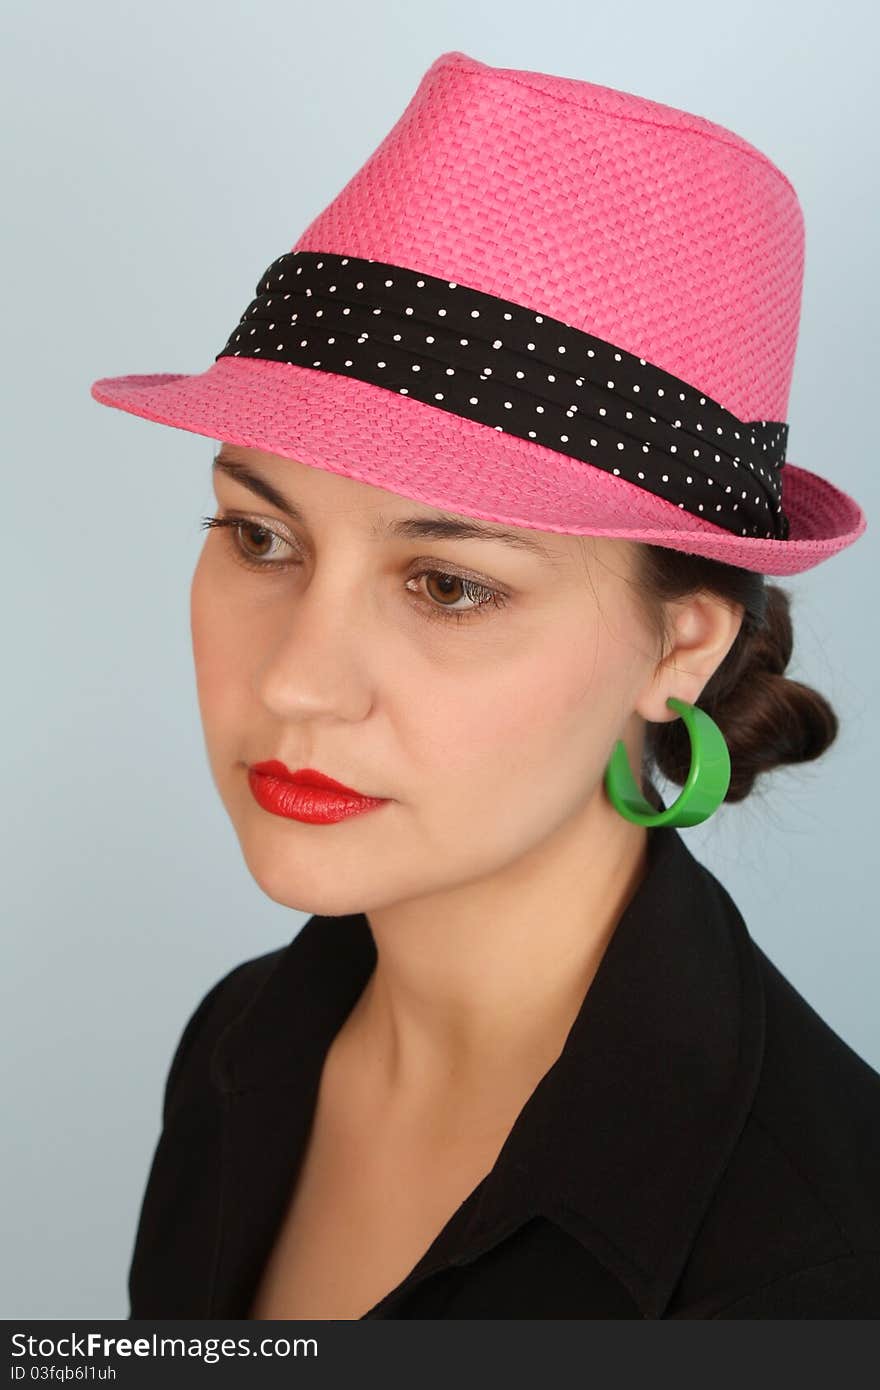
(654, 228)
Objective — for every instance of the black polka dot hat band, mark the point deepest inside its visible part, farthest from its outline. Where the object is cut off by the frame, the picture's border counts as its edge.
(544, 303)
(494, 361)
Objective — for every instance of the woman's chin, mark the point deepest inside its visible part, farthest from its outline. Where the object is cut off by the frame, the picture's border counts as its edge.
(308, 888)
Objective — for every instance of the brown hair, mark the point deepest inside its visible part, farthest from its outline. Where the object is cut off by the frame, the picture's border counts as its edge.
(767, 718)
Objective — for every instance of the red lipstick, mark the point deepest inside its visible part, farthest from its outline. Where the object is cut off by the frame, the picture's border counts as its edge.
(306, 795)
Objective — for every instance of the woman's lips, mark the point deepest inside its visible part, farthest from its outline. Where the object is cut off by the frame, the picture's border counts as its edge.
(306, 795)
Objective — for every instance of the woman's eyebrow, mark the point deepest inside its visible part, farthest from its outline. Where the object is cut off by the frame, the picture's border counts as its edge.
(440, 527)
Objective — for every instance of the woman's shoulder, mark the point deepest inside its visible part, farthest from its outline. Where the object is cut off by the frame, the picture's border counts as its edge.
(226, 999)
(818, 1101)
(793, 1228)
(815, 1090)
(810, 1143)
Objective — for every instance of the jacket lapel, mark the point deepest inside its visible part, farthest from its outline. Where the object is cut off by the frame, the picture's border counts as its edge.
(623, 1140)
(626, 1137)
(267, 1067)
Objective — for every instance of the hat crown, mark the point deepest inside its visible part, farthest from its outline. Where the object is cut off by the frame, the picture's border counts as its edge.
(654, 228)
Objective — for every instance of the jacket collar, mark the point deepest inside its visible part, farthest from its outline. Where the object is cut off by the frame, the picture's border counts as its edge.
(623, 1140)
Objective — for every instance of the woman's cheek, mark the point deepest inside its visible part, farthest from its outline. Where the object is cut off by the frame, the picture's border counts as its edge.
(217, 658)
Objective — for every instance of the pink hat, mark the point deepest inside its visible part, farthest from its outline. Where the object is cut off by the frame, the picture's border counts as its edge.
(544, 302)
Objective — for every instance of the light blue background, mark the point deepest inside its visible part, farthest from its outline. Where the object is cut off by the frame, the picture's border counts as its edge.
(156, 158)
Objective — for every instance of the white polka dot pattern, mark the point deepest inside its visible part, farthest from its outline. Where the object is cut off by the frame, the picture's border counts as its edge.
(524, 373)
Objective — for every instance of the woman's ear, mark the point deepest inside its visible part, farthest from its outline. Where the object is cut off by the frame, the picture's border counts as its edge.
(702, 629)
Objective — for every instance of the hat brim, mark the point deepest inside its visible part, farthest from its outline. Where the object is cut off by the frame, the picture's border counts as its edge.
(416, 450)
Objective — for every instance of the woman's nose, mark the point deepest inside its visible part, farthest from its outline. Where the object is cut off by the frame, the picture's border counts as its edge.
(317, 660)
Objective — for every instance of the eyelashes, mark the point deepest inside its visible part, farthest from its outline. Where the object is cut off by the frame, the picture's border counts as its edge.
(481, 596)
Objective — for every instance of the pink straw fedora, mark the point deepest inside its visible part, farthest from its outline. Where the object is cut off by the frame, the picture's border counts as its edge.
(544, 302)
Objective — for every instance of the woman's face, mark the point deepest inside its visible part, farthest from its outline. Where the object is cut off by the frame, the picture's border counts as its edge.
(487, 722)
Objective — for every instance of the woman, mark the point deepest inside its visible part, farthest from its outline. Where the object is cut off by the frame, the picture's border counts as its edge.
(493, 518)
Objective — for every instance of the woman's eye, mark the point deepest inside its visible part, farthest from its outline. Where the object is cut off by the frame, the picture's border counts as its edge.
(234, 527)
(450, 588)
(444, 594)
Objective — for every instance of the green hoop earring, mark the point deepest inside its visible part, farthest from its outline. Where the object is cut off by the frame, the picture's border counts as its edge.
(707, 779)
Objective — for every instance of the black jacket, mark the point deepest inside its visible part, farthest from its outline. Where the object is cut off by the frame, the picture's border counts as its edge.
(705, 1146)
